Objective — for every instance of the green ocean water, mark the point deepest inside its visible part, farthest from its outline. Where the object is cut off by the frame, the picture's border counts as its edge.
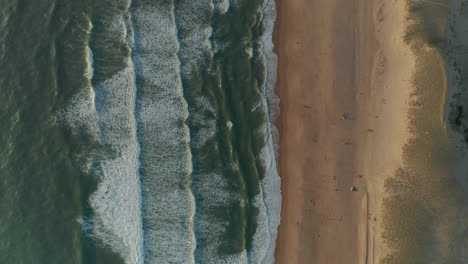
(137, 132)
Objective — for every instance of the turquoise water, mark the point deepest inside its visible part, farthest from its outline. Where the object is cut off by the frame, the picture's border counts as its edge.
(138, 132)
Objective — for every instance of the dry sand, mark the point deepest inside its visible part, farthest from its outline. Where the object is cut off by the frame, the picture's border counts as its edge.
(336, 57)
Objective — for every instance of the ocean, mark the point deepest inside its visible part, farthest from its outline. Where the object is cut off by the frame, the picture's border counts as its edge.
(138, 131)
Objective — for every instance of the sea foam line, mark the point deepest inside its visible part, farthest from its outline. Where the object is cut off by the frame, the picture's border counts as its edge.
(194, 22)
(169, 206)
(268, 200)
(189, 180)
(131, 40)
(271, 183)
(116, 203)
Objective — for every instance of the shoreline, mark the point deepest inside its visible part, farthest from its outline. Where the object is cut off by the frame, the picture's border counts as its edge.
(271, 183)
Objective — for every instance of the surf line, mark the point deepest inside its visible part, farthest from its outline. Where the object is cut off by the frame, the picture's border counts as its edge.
(130, 37)
(133, 36)
(271, 184)
(187, 145)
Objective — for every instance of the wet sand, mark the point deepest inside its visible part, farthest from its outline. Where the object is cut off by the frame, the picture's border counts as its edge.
(344, 100)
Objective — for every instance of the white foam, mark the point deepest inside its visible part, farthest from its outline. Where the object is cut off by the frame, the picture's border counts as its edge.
(210, 253)
(271, 60)
(249, 51)
(204, 116)
(89, 73)
(194, 18)
(214, 192)
(80, 114)
(261, 238)
(117, 200)
(271, 190)
(168, 205)
(222, 6)
(271, 183)
(164, 232)
(116, 204)
(196, 47)
(166, 158)
(106, 112)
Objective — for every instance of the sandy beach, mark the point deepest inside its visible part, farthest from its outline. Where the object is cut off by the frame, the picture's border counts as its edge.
(344, 90)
